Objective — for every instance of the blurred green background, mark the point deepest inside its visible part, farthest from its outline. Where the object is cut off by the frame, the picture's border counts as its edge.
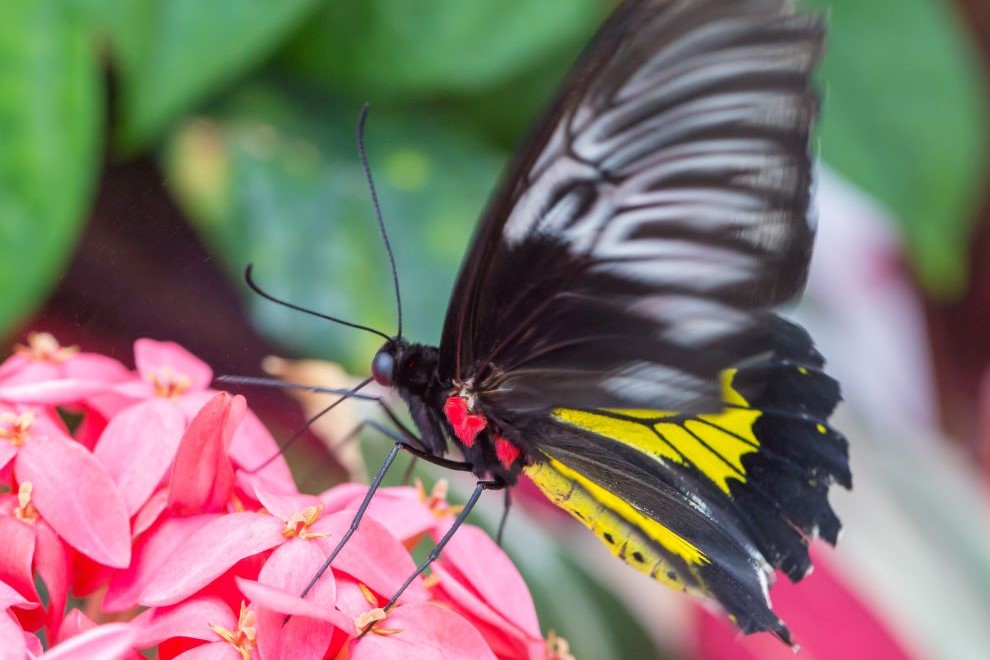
(149, 149)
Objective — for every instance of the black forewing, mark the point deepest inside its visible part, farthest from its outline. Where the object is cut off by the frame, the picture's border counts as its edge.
(658, 207)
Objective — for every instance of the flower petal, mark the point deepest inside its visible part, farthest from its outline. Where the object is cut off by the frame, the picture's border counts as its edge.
(53, 564)
(17, 557)
(90, 428)
(77, 497)
(425, 632)
(203, 477)
(7, 453)
(10, 598)
(76, 622)
(138, 446)
(283, 577)
(60, 392)
(284, 507)
(283, 602)
(149, 555)
(152, 357)
(149, 513)
(209, 552)
(478, 561)
(505, 639)
(12, 638)
(398, 509)
(253, 445)
(110, 640)
(19, 368)
(190, 619)
(352, 600)
(214, 651)
(96, 367)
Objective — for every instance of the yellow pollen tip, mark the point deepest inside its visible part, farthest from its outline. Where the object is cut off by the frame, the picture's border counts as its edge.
(298, 524)
(436, 501)
(14, 428)
(25, 511)
(369, 618)
(168, 384)
(368, 595)
(557, 648)
(43, 347)
(244, 636)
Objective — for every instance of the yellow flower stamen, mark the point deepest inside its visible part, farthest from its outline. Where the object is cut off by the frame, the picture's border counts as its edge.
(557, 648)
(243, 638)
(436, 501)
(25, 511)
(297, 526)
(14, 428)
(368, 595)
(43, 347)
(168, 384)
(363, 621)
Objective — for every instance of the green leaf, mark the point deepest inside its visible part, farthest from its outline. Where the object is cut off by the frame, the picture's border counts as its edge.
(416, 47)
(51, 103)
(174, 53)
(905, 118)
(274, 179)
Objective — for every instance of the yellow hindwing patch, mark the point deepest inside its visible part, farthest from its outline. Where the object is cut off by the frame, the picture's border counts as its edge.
(714, 444)
(625, 530)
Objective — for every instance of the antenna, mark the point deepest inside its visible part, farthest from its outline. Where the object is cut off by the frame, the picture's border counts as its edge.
(249, 279)
(378, 213)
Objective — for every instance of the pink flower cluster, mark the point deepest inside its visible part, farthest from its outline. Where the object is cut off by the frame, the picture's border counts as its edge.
(132, 494)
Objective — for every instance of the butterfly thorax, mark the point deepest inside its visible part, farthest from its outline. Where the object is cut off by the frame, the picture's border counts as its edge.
(445, 409)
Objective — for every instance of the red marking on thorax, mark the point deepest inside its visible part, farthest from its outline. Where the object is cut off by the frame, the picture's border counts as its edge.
(467, 425)
(506, 451)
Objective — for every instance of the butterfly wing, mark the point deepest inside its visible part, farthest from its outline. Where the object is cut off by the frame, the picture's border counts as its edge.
(661, 201)
(612, 313)
(707, 502)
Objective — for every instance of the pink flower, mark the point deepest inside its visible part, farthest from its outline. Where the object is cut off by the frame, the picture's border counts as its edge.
(167, 371)
(421, 631)
(208, 625)
(476, 578)
(29, 545)
(111, 640)
(171, 387)
(43, 372)
(165, 513)
(70, 489)
(372, 554)
(13, 640)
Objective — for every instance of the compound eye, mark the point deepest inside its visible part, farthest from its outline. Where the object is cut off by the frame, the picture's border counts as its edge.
(383, 368)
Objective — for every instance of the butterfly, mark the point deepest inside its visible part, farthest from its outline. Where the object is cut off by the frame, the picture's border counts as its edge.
(611, 335)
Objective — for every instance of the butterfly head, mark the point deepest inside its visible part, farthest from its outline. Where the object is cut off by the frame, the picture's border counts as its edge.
(384, 364)
(401, 364)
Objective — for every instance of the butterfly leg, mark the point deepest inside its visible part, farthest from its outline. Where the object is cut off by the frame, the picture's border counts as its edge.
(505, 516)
(479, 488)
(407, 475)
(372, 488)
(402, 441)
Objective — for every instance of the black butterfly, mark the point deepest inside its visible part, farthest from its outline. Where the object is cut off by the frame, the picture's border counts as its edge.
(610, 334)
